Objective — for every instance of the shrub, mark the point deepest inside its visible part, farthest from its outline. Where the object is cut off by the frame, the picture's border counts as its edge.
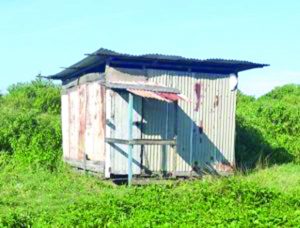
(268, 128)
(30, 123)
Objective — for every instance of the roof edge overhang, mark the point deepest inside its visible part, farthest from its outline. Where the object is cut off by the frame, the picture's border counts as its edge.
(96, 62)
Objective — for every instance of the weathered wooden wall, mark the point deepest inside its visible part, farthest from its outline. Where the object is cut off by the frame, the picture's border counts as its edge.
(83, 124)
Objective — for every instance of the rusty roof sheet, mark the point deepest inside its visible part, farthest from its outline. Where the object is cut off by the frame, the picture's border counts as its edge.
(145, 86)
(167, 97)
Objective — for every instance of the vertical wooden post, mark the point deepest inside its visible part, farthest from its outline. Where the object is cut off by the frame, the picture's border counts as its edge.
(130, 146)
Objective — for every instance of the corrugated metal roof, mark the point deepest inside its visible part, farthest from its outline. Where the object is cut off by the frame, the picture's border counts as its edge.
(96, 61)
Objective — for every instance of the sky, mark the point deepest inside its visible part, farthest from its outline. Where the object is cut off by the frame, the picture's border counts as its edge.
(40, 37)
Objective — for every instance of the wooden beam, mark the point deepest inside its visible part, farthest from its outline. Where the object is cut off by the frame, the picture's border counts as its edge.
(152, 88)
(153, 142)
(117, 141)
(94, 166)
(142, 141)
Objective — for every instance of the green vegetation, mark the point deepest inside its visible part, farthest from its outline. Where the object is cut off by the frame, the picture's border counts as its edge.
(36, 189)
(30, 124)
(65, 198)
(268, 128)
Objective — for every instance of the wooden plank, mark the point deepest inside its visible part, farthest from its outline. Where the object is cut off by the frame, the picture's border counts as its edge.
(141, 141)
(95, 122)
(82, 123)
(94, 166)
(90, 125)
(144, 86)
(108, 131)
(152, 142)
(74, 123)
(118, 141)
(65, 124)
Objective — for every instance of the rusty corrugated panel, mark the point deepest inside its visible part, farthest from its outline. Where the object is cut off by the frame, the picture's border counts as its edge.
(206, 125)
(148, 94)
(167, 97)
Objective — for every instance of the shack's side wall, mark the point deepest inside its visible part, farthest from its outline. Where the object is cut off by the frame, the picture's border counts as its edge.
(117, 122)
(83, 126)
(206, 124)
(117, 127)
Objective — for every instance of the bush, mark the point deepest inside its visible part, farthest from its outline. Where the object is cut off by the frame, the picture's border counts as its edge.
(268, 128)
(30, 124)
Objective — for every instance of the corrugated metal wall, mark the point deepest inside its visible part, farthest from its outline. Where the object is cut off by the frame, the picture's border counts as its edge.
(159, 123)
(206, 125)
(117, 127)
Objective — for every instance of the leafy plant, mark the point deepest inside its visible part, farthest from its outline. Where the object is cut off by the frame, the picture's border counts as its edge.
(268, 128)
(30, 124)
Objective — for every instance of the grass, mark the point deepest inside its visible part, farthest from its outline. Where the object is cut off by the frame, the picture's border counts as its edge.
(284, 178)
(268, 197)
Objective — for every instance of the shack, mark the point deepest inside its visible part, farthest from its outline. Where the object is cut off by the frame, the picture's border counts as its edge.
(150, 114)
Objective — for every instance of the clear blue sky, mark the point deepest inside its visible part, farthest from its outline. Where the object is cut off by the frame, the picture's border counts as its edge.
(42, 36)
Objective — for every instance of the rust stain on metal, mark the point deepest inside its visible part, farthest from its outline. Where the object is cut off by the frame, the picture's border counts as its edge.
(200, 128)
(197, 89)
(148, 94)
(216, 102)
(169, 96)
(224, 167)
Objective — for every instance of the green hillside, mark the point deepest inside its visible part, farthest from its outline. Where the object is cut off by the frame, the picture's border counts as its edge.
(38, 190)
